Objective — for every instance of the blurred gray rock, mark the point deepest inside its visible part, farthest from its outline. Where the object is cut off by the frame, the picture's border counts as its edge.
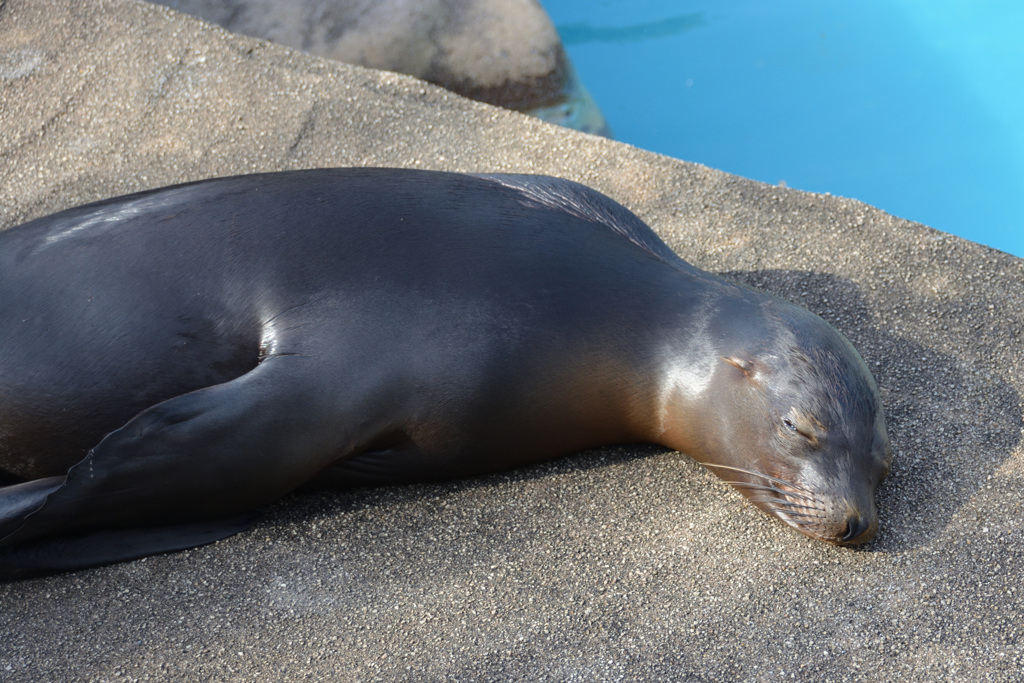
(503, 52)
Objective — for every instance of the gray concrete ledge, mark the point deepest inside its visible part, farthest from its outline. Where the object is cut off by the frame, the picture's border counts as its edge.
(620, 564)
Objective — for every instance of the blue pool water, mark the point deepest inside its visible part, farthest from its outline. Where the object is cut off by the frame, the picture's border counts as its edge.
(914, 106)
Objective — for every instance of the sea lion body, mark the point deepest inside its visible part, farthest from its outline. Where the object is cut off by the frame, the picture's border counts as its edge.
(173, 359)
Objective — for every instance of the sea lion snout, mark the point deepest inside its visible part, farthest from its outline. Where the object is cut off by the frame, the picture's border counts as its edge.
(860, 528)
(844, 485)
(808, 507)
(846, 523)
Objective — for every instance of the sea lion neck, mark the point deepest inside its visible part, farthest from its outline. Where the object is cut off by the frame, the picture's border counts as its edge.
(701, 323)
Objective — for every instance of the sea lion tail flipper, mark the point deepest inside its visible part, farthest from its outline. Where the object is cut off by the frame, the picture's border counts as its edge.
(211, 454)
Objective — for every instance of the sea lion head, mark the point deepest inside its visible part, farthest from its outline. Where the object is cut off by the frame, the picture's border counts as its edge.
(792, 418)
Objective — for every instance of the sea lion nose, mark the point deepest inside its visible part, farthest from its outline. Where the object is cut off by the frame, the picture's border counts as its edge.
(856, 526)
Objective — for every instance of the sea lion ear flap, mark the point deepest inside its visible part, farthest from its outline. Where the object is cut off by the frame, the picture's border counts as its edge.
(745, 365)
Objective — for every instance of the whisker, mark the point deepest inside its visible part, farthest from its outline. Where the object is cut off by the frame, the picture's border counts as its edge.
(817, 514)
(773, 489)
(756, 474)
(772, 502)
(804, 523)
(801, 514)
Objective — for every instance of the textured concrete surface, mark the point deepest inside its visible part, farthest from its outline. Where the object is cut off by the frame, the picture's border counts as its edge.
(619, 564)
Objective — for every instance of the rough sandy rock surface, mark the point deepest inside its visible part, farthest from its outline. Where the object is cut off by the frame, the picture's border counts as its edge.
(619, 564)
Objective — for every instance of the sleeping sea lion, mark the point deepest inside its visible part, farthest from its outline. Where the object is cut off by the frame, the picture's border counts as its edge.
(172, 360)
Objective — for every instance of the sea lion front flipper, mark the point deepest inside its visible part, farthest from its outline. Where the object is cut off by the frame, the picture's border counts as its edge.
(210, 454)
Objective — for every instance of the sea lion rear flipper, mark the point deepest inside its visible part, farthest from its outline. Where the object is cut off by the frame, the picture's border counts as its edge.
(154, 484)
(115, 545)
(20, 500)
